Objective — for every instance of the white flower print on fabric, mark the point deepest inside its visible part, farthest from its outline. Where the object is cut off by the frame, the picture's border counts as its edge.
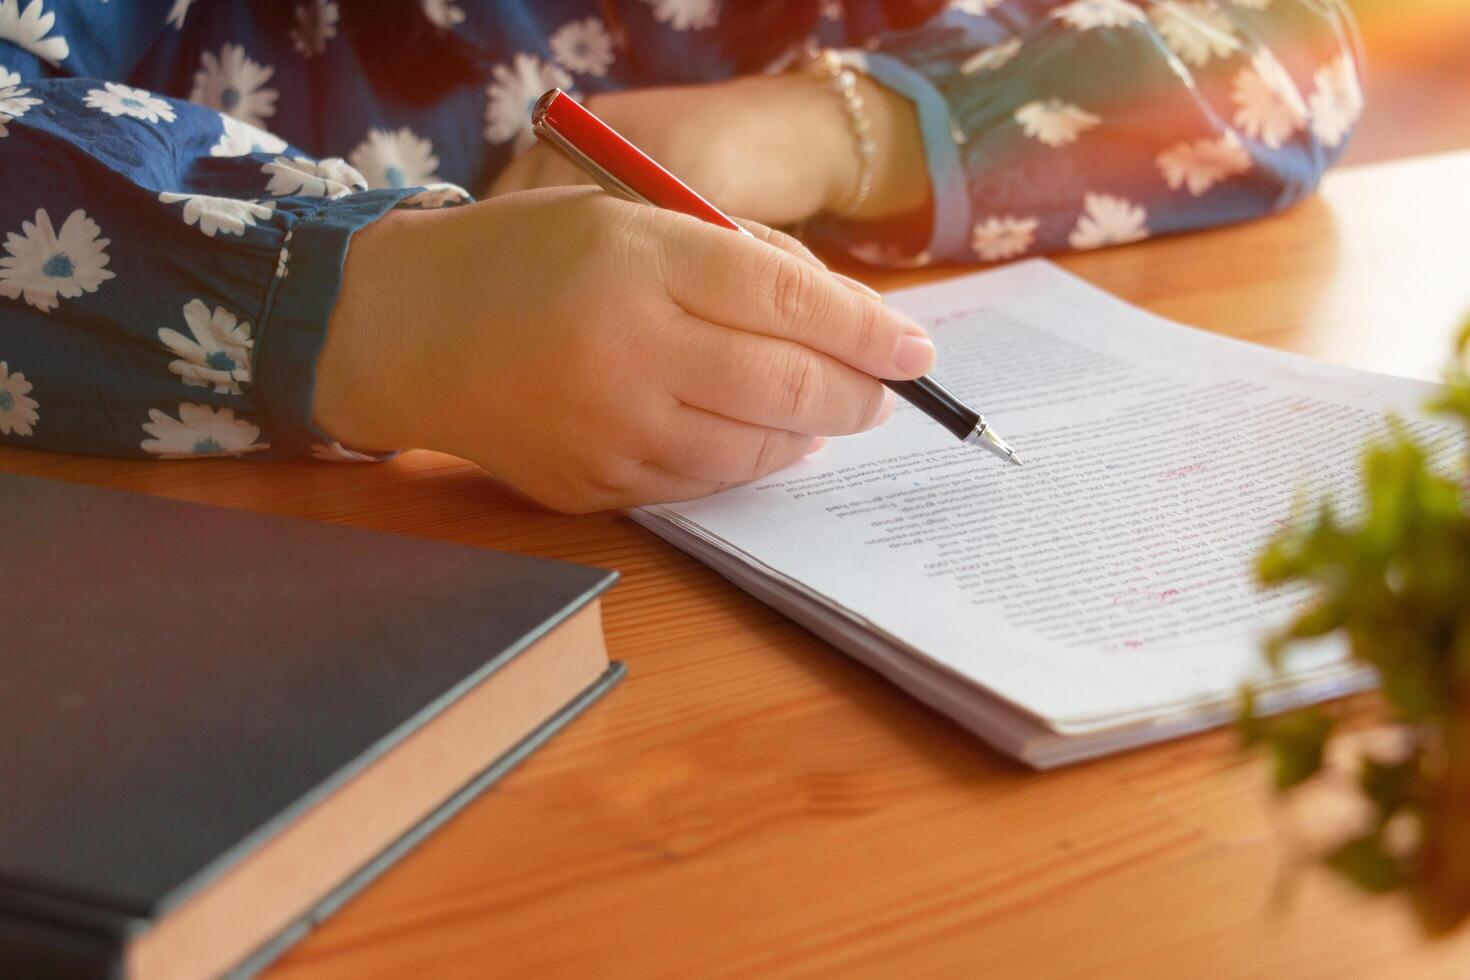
(214, 215)
(217, 354)
(993, 58)
(135, 103)
(1337, 102)
(314, 24)
(27, 28)
(443, 14)
(239, 138)
(44, 264)
(284, 257)
(1005, 237)
(177, 13)
(1108, 220)
(442, 195)
(335, 452)
(977, 7)
(583, 46)
(1195, 30)
(331, 177)
(199, 431)
(686, 15)
(1085, 15)
(395, 159)
(233, 84)
(512, 93)
(15, 99)
(1204, 163)
(1268, 106)
(18, 413)
(1252, 4)
(1054, 122)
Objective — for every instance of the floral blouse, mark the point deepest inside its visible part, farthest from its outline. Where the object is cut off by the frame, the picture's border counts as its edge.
(180, 183)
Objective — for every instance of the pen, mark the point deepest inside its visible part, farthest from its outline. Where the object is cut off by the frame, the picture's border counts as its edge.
(626, 171)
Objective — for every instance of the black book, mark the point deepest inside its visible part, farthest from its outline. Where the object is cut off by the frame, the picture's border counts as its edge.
(218, 725)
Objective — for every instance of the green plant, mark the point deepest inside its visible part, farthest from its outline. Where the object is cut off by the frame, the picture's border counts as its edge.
(1396, 583)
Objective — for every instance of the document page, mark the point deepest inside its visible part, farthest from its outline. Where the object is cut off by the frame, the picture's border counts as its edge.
(1110, 577)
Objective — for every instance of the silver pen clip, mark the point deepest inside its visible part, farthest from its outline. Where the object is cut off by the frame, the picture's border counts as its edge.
(545, 131)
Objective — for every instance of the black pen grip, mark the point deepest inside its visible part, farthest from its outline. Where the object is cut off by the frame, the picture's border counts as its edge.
(939, 403)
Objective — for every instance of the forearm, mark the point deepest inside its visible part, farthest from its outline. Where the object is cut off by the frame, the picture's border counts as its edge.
(900, 178)
(154, 313)
(780, 149)
(814, 129)
(1065, 126)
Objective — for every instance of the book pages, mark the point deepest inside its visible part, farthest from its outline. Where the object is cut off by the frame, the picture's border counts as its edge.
(1108, 582)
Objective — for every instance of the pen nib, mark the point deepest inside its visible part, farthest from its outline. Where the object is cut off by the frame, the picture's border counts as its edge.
(988, 439)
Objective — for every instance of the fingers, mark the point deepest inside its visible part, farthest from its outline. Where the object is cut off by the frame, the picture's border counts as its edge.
(654, 483)
(780, 239)
(700, 445)
(763, 288)
(771, 382)
(701, 454)
(794, 246)
(631, 484)
(518, 174)
(539, 166)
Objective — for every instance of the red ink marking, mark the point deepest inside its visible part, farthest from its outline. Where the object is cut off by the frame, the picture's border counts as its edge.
(1133, 644)
(1183, 471)
(1138, 600)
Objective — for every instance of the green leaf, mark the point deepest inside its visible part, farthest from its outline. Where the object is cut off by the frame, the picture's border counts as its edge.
(1389, 786)
(1319, 620)
(1247, 720)
(1412, 686)
(1394, 578)
(1297, 740)
(1367, 864)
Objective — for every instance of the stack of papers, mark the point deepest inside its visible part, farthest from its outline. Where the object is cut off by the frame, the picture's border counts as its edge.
(1101, 596)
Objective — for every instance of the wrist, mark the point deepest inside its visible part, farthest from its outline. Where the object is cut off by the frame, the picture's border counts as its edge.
(360, 399)
(795, 134)
(875, 145)
(900, 173)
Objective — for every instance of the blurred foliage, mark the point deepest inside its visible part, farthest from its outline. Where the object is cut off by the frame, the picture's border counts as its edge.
(1396, 584)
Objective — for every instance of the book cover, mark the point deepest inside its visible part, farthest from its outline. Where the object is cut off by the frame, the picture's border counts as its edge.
(181, 683)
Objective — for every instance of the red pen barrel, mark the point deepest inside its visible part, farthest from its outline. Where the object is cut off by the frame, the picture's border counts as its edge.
(619, 165)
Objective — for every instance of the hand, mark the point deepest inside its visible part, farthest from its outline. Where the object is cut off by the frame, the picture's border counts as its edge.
(776, 149)
(593, 353)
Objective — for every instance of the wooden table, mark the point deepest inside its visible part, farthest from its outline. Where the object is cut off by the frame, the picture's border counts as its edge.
(751, 802)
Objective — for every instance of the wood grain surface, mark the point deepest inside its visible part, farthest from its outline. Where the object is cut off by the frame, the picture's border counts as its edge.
(752, 803)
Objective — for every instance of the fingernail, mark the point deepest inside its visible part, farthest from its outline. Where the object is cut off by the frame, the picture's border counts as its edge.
(858, 287)
(817, 443)
(915, 355)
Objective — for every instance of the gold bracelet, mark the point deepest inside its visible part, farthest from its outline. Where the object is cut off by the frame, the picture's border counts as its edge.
(827, 67)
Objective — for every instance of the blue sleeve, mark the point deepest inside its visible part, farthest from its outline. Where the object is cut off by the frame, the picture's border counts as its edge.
(166, 273)
(83, 38)
(1053, 125)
